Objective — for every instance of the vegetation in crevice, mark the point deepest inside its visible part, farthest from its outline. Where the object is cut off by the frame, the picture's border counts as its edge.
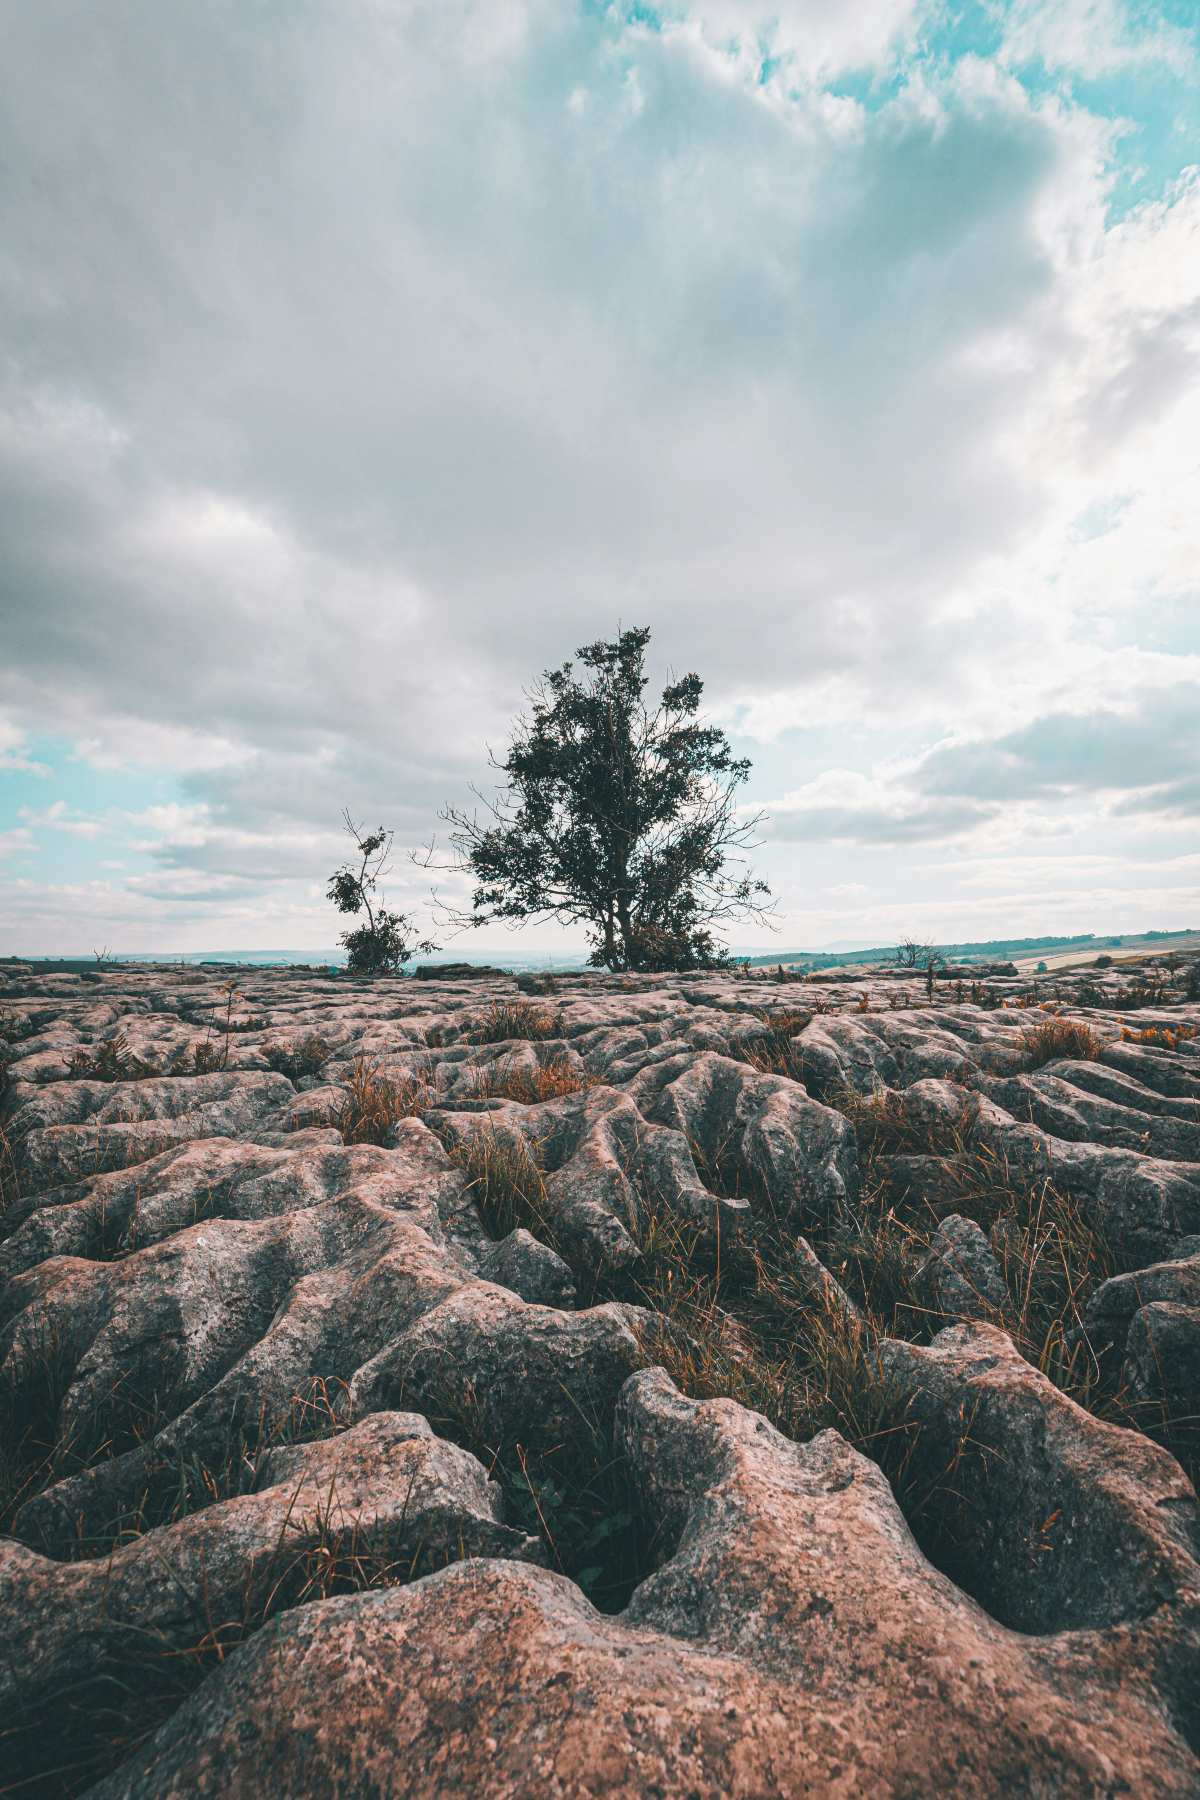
(377, 1101)
(511, 1019)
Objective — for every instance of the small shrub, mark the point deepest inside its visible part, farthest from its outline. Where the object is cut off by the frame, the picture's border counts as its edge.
(385, 942)
(205, 1057)
(14, 1026)
(507, 1019)
(774, 1052)
(112, 1060)
(1054, 1038)
(377, 1102)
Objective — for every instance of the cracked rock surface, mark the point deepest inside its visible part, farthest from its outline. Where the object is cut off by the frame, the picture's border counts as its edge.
(337, 1456)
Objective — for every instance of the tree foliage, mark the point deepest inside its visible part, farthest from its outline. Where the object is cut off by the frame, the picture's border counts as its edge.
(615, 815)
(385, 942)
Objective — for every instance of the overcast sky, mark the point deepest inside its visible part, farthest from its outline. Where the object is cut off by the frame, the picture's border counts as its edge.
(362, 357)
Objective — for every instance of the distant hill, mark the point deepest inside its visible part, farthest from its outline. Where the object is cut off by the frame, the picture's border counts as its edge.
(984, 950)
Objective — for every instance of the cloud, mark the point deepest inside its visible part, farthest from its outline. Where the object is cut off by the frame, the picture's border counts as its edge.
(843, 806)
(1096, 37)
(1150, 748)
(59, 817)
(365, 360)
(13, 752)
(819, 41)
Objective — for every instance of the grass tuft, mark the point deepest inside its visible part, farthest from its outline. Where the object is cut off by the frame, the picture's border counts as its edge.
(552, 1081)
(506, 1184)
(507, 1019)
(298, 1060)
(1054, 1038)
(376, 1102)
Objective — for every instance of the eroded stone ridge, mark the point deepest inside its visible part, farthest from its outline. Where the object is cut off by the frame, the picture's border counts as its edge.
(303, 1276)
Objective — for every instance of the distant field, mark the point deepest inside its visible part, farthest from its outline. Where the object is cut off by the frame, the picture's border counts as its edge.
(1130, 949)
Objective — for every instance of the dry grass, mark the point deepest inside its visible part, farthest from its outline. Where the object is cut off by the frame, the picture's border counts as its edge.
(1054, 1038)
(377, 1102)
(137, 1677)
(34, 1449)
(300, 1059)
(10, 1186)
(774, 1052)
(508, 1019)
(506, 1184)
(1161, 1037)
(558, 1077)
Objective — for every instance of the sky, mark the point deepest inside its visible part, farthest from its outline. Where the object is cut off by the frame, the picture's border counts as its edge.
(361, 358)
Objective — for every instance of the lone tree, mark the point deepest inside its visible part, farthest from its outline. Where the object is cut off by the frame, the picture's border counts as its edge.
(383, 945)
(616, 816)
(923, 957)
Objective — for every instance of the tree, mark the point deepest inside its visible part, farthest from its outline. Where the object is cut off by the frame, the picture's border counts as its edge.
(382, 946)
(927, 957)
(615, 816)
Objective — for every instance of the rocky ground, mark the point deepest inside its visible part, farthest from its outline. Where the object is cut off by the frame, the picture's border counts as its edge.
(682, 1385)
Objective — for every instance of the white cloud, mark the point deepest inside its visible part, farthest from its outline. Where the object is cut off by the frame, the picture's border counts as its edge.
(517, 321)
(58, 816)
(13, 752)
(1095, 37)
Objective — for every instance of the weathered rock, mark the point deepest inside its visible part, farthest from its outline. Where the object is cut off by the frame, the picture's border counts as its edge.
(531, 1269)
(1059, 1520)
(385, 1499)
(198, 1263)
(1162, 1359)
(962, 1278)
(796, 1641)
(1112, 1307)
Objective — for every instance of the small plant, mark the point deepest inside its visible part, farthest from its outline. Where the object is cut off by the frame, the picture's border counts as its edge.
(552, 1081)
(506, 1184)
(210, 1056)
(384, 944)
(1163, 1037)
(376, 1102)
(1054, 1038)
(298, 1060)
(773, 1052)
(13, 1026)
(206, 1058)
(508, 1019)
(112, 1060)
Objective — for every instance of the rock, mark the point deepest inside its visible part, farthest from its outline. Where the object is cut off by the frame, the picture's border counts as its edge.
(794, 1641)
(459, 971)
(385, 1493)
(961, 1278)
(218, 1320)
(1113, 1306)
(1162, 1359)
(531, 1269)
(1060, 1521)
